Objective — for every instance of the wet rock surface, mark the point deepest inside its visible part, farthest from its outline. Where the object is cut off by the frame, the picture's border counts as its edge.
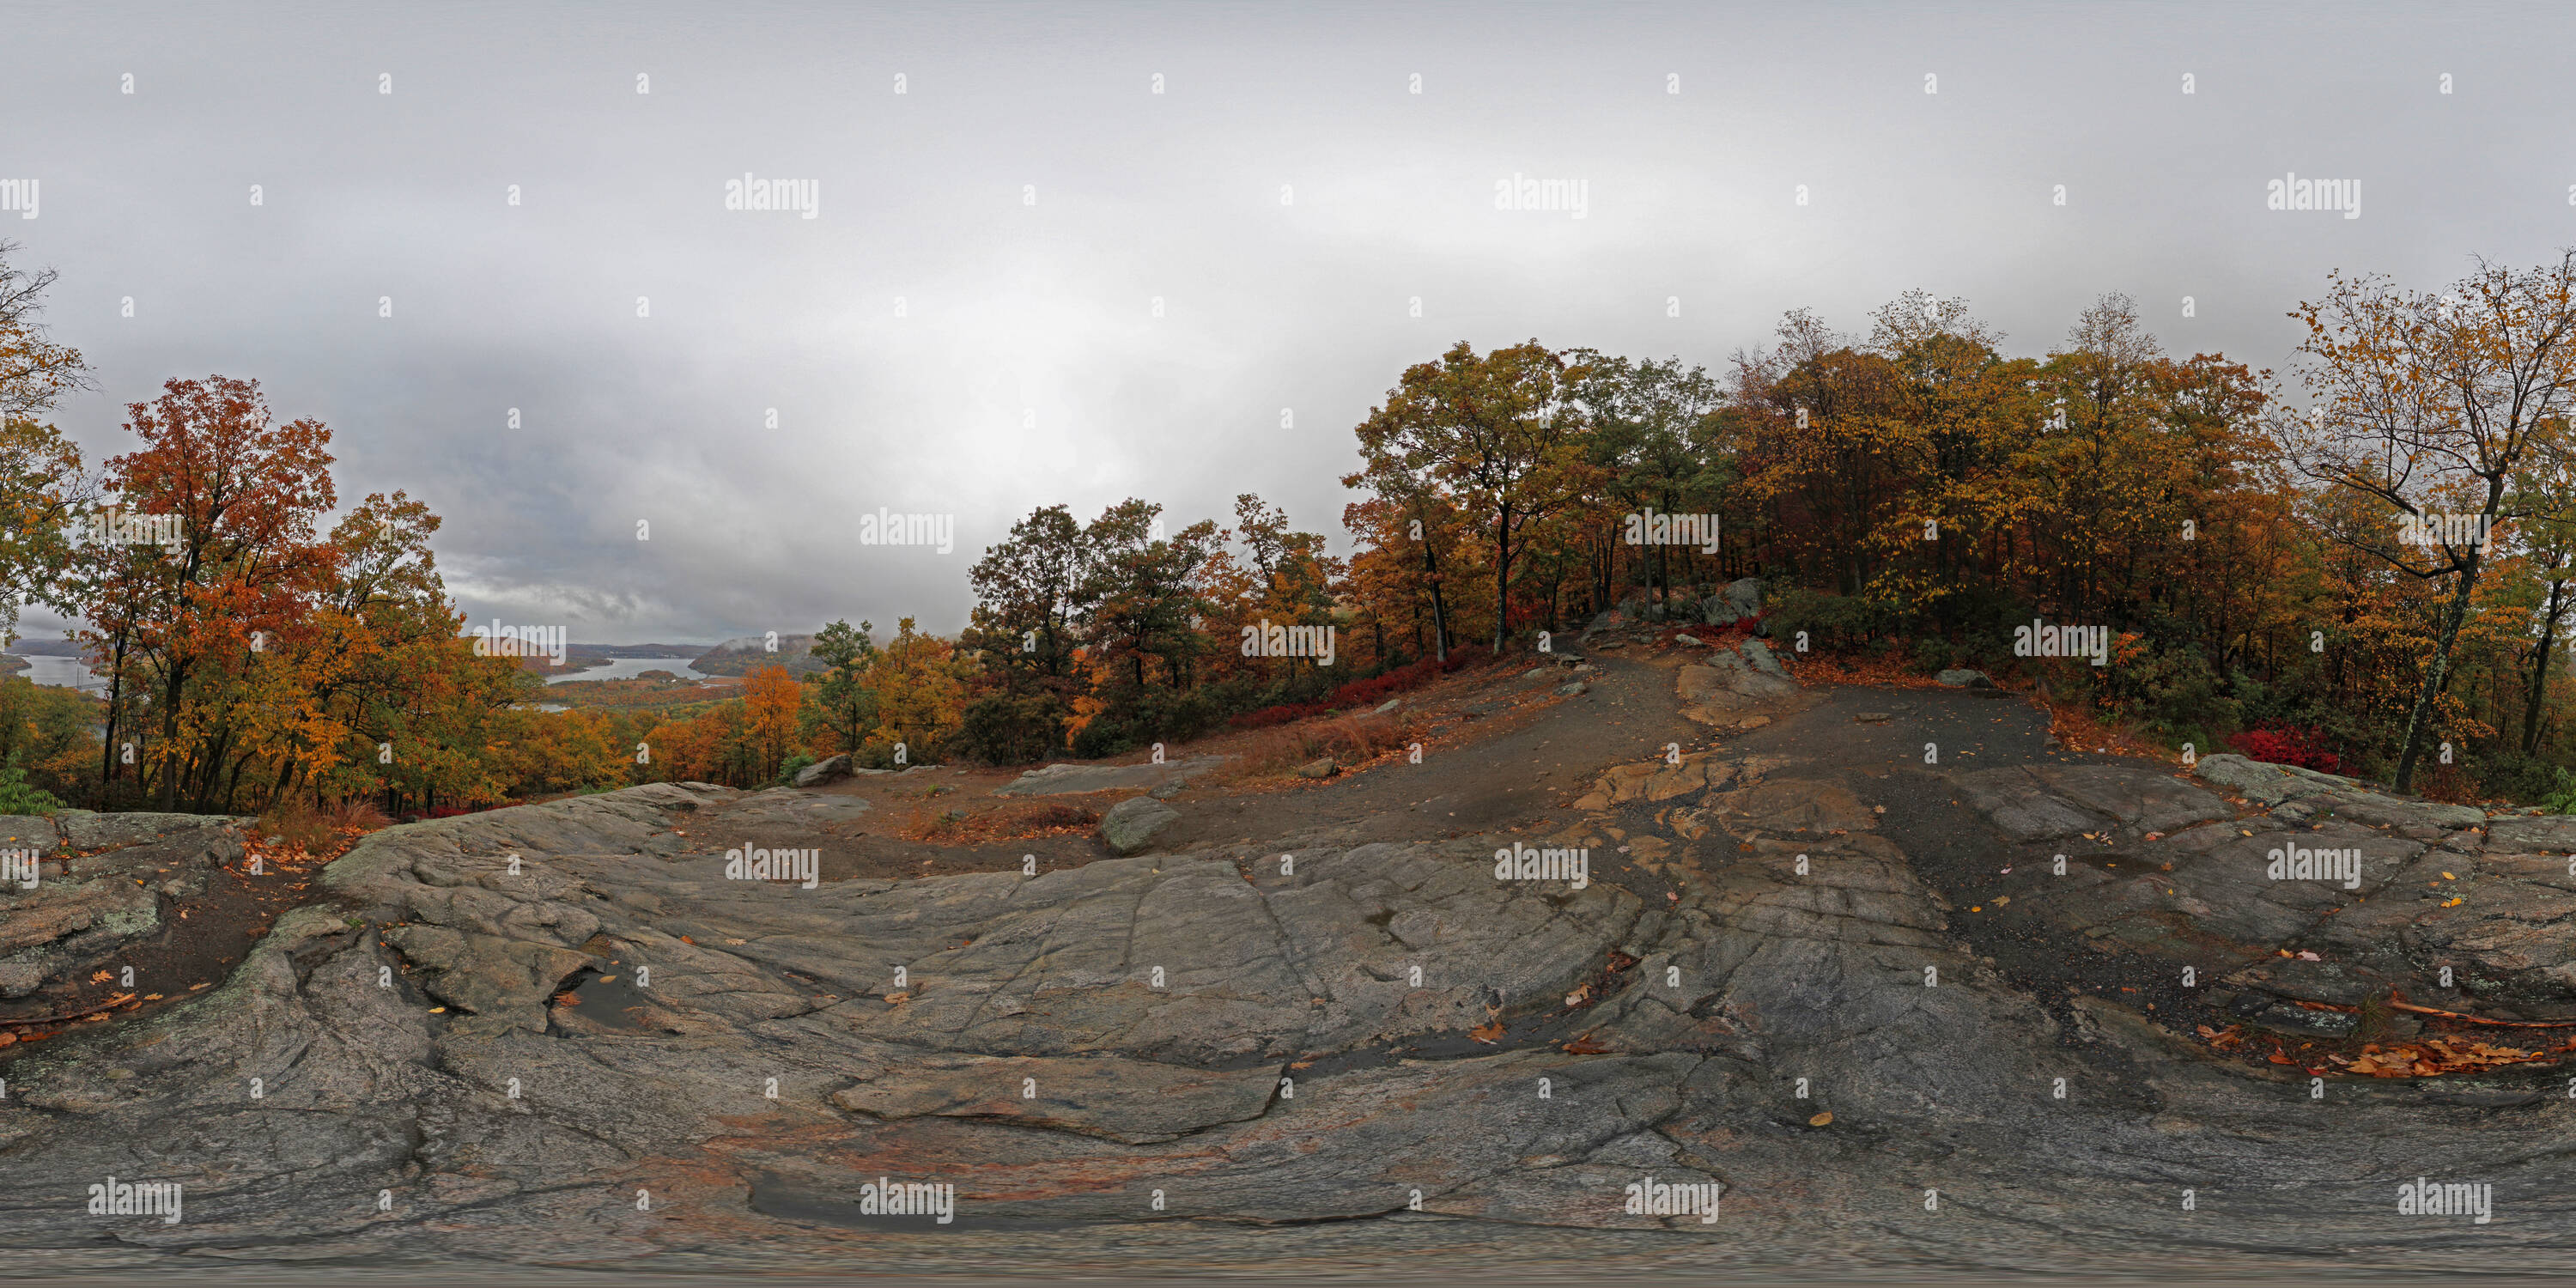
(561, 1034)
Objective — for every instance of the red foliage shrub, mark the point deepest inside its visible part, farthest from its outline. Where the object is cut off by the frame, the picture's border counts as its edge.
(2283, 744)
(1367, 692)
(459, 811)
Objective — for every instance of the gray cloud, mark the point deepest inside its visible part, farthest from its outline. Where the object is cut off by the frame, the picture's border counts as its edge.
(1029, 369)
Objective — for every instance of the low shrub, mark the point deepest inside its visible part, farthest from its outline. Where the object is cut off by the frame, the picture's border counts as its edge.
(2287, 745)
(17, 796)
(1369, 692)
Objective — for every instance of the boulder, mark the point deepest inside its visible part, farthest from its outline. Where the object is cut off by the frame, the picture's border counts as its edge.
(1759, 654)
(1132, 824)
(1323, 767)
(820, 772)
(1962, 678)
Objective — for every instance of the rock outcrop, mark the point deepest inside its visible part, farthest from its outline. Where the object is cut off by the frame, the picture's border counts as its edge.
(1733, 680)
(94, 886)
(587, 1031)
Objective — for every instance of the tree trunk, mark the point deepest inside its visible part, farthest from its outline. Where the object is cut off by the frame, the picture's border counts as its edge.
(2540, 671)
(1439, 608)
(2421, 716)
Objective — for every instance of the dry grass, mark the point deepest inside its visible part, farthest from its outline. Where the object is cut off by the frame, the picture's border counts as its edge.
(2075, 725)
(1887, 672)
(1349, 740)
(316, 830)
(1009, 823)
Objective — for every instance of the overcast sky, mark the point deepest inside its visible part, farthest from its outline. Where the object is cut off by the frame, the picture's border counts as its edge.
(1287, 196)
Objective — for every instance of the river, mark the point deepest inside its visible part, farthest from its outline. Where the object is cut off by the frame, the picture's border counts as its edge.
(62, 673)
(627, 668)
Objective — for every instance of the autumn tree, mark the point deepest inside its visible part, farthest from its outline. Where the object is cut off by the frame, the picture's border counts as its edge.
(247, 496)
(43, 490)
(2429, 405)
(771, 698)
(920, 692)
(1498, 430)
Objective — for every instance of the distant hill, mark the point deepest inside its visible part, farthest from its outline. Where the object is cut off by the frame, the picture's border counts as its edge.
(45, 648)
(12, 665)
(636, 650)
(742, 656)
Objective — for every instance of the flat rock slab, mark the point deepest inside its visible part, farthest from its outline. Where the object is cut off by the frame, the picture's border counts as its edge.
(29, 832)
(89, 831)
(2145, 800)
(1065, 780)
(780, 809)
(1136, 1102)
(2045, 802)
